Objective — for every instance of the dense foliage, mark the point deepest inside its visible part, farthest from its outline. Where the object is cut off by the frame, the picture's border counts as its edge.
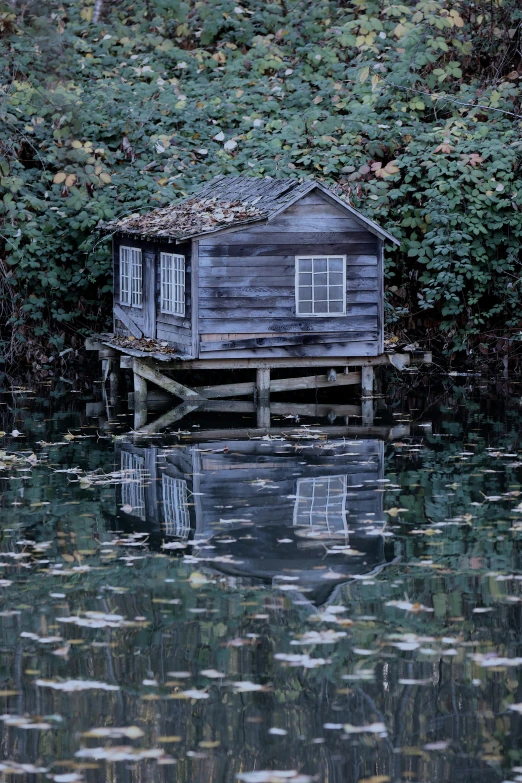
(411, 111)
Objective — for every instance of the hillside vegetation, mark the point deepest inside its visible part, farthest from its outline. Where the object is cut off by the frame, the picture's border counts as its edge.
(411, 112)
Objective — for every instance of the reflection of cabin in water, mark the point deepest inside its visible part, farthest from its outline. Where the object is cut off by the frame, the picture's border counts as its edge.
(262, 509)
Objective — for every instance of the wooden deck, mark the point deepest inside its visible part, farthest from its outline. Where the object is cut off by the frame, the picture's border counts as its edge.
(156, 366)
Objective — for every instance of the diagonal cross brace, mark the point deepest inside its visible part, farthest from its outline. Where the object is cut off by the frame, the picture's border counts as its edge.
(153, 375)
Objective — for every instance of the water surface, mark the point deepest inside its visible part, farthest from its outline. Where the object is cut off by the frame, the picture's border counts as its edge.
(333, 608)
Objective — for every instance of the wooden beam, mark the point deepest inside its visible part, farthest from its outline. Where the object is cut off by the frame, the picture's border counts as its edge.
(164, 421)
(151, 374)
(127, 321)
(140, 401)
(279, 385)
(367, 381)
(315, 382)
(227, 390)
(384, 433)
(263, 383)
(281, 408)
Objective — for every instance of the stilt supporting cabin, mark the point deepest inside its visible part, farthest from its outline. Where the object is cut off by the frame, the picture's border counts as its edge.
(158, 371)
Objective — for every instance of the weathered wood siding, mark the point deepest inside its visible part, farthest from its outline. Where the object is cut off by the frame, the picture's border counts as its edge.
(247, 287)
(175, 329)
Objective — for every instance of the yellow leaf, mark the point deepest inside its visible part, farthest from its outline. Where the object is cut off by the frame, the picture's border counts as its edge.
(60, 177)
(400, 30)
(219, 57)
(318, 99)
(105, 177)
(86, 13)
(98, 169)
(70, 180)
(375, 81)
(375, 779)
(364, 74)
(163, 181)
(77, 145)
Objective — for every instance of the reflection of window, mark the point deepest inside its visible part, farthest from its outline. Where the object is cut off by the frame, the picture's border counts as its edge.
(320, 504)
(320, 285)
(132, 489)
(172, 274)
(131, 282)
(177, 519)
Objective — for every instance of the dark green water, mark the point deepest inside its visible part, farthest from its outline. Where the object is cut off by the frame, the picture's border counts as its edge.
(338, 610)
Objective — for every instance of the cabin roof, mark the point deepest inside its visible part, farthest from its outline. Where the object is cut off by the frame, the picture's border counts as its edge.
(226, 202)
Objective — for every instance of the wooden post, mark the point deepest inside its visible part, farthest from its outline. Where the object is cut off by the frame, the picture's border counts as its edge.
(263, 384)
(367, 377)
(263, 414)
(263, 397)
(140, 401)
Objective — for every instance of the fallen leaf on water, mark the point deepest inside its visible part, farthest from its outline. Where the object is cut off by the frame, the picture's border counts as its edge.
(77, 685)
(274, 776)
(131, 732)
(375, 779)
(118, 753)
(248, 687)
(372, 728)
(212, 673)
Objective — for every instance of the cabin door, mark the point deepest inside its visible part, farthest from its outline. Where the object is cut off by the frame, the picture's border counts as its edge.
(149, 294)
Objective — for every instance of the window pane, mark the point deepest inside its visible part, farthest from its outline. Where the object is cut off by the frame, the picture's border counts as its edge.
(305, 279)
(336, 264)
(320, 293)
(336, 307)
(305, 264)
(321, 307)
(335, 278)
(305, 307)
(321, 279)
(336, 292)
(320, 264)
(305, 293)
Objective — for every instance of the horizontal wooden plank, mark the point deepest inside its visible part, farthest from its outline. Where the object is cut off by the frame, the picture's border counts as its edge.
(285, 304)
(322, 353)
(279, 281)
(236, 313)
(288, 339)
(181, 341)
(314, 208)
(318, 247)
(291, 324)
(233, 292)
(279, 385)
(278, 261)
(265, 273)
(307, 224)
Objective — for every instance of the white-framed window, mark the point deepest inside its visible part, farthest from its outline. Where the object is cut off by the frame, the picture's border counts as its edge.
(175, 509)
(172, 279)
(320, 504)
(320, 285)
(131, 277)
(133, 486)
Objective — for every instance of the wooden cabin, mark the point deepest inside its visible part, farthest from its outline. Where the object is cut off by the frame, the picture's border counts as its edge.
(259, 510)
(252, 268)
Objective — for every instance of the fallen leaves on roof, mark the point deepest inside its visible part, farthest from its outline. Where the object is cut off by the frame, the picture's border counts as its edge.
(192, 217)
